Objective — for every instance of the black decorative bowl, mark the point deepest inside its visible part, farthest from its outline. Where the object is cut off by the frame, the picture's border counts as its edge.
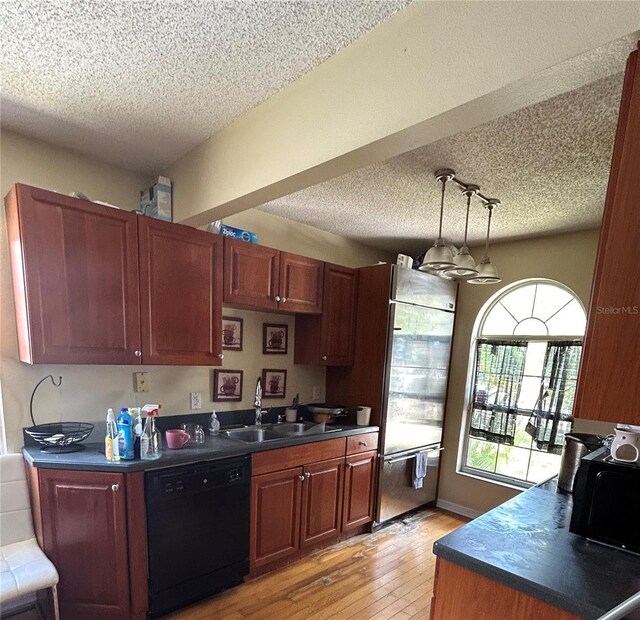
(60, 437)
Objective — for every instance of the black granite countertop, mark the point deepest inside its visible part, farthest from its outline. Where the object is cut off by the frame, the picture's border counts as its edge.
(526, 544)
(215, 447)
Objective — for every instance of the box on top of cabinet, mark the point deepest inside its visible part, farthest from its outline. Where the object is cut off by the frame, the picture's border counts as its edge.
(156, 200)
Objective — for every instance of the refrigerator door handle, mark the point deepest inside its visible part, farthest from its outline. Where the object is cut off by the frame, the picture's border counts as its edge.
(412, 456)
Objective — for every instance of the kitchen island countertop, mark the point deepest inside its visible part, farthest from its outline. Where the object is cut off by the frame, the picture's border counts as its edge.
(526, 544)
(215, 447)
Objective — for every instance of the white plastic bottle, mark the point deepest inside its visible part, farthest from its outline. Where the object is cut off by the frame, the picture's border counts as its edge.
(214, 424)
(111, 447)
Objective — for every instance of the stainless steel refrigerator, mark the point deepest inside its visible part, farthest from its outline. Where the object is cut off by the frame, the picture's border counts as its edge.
(420, 329)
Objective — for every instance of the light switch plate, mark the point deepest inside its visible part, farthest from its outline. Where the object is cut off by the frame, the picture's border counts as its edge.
(196, 400)
(316, 392)
(141, 381)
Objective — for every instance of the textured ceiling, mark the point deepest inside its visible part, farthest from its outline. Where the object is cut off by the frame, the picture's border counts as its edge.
(139, 83)
(548, 164)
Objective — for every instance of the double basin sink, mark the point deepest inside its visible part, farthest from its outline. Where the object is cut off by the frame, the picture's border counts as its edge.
(269, 432)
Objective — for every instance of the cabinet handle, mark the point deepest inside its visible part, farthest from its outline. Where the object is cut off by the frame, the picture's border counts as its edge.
(277, 298)
(138, 353)
(284, 300)
(324, 357)
(307, 475)
(115, 487)
(221, 356)
(349, 464)
(301, 478)
(363, 443)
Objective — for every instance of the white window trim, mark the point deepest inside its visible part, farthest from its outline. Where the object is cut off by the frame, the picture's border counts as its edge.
(461, 468)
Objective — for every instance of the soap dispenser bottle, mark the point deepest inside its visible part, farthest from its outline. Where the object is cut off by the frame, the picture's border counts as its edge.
(214, 424)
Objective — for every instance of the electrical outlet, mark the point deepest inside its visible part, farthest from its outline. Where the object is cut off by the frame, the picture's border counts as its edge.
(316, 392)
(196, 400)
(141, 381)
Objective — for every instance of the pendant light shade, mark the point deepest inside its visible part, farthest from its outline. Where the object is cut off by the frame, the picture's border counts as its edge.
(487, 272)
(464, 266)
(440, 256)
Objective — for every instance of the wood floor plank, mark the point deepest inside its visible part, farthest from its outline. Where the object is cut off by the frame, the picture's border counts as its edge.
(386, 575)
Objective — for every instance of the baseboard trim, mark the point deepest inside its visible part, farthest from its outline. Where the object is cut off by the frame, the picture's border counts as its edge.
(458, 509)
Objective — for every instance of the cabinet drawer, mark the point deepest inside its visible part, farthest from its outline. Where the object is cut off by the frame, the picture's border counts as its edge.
(362, 443)
(284, 458)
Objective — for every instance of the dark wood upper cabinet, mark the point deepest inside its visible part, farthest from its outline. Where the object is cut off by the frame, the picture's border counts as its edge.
(86, 534)
(180, 294)
(250, 275)
(300, 287)
(328, 339)
(260, 278)
(609, 382)
(321, 502)
(75, 279)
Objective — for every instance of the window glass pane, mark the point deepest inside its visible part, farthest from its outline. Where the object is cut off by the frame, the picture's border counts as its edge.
(522, 439)
(529, 393)
(543, 465)
(520, 302)
(570, 321)
(498, 323)
(482, 454)
(535, 359)
(549, 299)
(513, 461)
(530, 327)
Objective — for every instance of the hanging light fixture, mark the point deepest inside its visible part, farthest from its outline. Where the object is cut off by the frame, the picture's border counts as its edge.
(487, 272)
(440, 256)
(464, 265)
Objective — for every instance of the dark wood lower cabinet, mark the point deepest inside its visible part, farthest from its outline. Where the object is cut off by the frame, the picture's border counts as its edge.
(321, 503)
(84, 524)
(297, 509)
(358, 490)
(275, 516)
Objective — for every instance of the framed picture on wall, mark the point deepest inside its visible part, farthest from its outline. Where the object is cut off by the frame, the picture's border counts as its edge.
(231, 333)
(275, 338)
(227, 385)
(274, 383)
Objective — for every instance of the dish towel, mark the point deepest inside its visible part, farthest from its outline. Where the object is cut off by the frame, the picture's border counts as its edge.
(420, 469)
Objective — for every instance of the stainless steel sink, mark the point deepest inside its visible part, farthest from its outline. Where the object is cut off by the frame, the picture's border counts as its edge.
(252, 435)
(296, 428)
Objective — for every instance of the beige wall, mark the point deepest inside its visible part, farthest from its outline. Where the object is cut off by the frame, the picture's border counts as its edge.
(88, 391)
(567, 258)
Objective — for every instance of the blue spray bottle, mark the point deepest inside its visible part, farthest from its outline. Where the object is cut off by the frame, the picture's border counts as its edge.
(125, 434)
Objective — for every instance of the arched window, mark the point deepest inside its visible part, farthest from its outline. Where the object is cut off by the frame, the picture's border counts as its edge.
(523, 373)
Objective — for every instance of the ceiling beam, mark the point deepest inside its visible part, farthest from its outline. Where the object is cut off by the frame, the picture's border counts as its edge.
(432, 70)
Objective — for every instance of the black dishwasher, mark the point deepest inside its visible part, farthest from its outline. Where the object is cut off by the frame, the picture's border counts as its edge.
(197, 531)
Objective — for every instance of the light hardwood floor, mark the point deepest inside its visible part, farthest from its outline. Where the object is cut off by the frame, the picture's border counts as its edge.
(379, 576)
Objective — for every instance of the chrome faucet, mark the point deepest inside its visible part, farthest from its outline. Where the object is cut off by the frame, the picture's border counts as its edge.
(258, 402)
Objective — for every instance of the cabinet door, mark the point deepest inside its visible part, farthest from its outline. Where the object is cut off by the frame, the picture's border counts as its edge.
(300, 284)
(250, 275)
(86, 536)
(180, 294)
(75, 279)
(321, 502)
(275, 516)
(337, 331)
(609, 383)
(358, 490)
